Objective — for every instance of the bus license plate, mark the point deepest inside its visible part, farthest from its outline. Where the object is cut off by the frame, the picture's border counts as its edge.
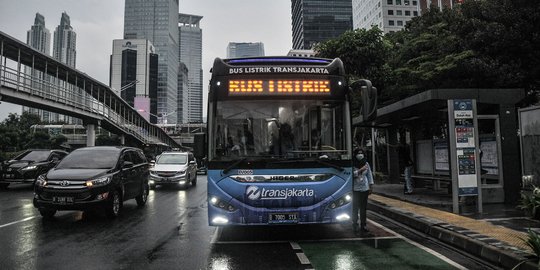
(63, 200)
(283, 218)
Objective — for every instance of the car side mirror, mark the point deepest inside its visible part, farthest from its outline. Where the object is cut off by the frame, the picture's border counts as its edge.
(127, 165)
(368, 95)
(192, 162)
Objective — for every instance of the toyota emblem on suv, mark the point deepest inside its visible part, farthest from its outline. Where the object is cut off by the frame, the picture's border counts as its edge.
(64, 183)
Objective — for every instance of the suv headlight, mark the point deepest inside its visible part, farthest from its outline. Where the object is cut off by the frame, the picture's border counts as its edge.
(99, 181)
(41, 181)
(29, 168)
(181, 172)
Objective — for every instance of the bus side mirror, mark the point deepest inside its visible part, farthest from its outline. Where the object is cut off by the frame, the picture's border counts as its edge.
(368, 95)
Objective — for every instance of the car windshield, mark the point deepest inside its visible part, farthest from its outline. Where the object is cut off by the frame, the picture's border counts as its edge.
(35, 156)
(284, 129)
(171, 159)
(90, 159)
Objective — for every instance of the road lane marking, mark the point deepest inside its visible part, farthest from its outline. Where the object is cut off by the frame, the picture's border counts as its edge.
(426, 249)
(295, 246)
(217, 235)
(18, 221)
(303, 258)
(250, 242)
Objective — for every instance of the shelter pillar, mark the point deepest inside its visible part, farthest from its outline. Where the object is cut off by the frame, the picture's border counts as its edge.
(393, 155)
(90, 135)
(511, 167)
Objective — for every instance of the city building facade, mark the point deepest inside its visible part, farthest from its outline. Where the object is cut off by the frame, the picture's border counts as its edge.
(157, 21)
(134, 75)
(245, 49)
(39, 38)
(183, 90)
(301, 53)
(392, 15)
(190, 101)
(314, 21)
(64, 45)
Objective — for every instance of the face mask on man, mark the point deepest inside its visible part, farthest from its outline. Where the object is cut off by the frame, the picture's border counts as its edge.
(359, 157)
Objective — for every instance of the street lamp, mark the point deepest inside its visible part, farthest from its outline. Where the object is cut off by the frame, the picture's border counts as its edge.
(159, 116)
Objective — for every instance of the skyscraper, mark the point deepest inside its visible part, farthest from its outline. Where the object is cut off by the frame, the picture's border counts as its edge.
(314, 21)
(387, 15)
(245, 49)
(134, 66)
(39, 38)
(64, 50)
(157, 21)
(190, 54)
(64, 46)
(393, 15)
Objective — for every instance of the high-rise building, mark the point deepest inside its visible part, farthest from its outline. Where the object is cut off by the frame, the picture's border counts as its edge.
(64, 50)
(64, 46)
(392, 15)
(134, 74)
(387, 15)
(183, 90)
(157, 21)
(314, 21)
(39, 38)
(301, 53)
(190, 54)
(245, 49)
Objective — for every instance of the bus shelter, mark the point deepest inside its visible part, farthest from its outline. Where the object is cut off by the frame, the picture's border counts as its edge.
(422, 123)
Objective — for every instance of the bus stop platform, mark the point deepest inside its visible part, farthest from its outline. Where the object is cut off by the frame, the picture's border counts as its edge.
(496, 235)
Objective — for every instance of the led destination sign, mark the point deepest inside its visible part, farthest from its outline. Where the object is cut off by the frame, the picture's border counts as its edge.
(279, 87)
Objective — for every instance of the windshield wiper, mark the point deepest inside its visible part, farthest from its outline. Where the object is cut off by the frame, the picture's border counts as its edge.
(236, 163)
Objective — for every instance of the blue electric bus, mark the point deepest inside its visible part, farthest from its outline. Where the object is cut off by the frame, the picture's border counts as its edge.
(279, 141)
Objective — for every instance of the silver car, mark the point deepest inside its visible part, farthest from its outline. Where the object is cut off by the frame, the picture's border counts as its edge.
(174, 169)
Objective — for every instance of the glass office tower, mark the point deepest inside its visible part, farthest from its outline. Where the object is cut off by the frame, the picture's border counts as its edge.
(314, 21)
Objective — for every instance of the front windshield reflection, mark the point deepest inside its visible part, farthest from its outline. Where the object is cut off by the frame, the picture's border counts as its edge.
(279, 129)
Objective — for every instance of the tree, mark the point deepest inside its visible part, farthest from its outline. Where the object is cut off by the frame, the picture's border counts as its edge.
(58, 141)
(38, 140)
(106, 140)
(364, 54)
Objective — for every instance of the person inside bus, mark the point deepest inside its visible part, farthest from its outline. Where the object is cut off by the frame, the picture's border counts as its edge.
(315, 139)
(286, 138)
(362, 187)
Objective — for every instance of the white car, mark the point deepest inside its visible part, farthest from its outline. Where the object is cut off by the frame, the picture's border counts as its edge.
(174, 169)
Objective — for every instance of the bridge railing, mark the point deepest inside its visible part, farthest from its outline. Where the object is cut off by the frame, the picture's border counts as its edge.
(50, 88)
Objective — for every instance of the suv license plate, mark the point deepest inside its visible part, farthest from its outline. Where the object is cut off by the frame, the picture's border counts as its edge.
(63, 200)
(283, 218)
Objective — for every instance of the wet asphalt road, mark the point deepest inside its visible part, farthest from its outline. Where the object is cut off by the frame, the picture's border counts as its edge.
(172, 232)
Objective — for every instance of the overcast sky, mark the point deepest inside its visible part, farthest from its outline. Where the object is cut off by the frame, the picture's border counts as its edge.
(98, 22)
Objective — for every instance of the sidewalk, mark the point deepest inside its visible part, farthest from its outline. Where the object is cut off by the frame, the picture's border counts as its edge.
(494, 235)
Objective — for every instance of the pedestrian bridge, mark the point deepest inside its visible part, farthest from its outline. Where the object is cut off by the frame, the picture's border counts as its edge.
(33, 79)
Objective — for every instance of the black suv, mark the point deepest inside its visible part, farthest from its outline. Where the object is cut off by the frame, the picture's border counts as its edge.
(94, 178)
(26, 167)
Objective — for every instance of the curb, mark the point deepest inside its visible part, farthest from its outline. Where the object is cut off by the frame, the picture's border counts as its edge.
(496, 253)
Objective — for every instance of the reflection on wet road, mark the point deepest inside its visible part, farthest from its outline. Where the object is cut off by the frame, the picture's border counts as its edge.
(172, 232)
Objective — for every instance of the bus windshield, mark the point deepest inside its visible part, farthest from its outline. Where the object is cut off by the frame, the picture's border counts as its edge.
(281, 129)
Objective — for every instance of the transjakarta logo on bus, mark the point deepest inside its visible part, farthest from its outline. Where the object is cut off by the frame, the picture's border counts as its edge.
(254, 193)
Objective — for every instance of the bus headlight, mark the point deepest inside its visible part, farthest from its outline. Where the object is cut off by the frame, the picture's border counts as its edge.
(220, 220)
(217, 202)
(342, 217)
(341, 201)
